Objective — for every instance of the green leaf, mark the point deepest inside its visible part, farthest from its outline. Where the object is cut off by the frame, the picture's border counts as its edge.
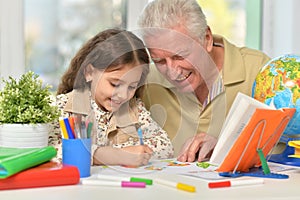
(26, 101)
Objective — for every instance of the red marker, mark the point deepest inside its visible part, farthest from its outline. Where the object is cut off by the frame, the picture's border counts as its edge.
(235, 183)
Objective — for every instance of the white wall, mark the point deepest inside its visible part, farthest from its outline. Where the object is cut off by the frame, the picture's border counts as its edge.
(281, 30)
(12, 60)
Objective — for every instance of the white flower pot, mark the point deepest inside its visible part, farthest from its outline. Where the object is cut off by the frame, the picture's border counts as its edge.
(24, 135)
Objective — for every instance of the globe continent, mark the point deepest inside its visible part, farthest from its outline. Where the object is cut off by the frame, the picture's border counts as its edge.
(278, 84)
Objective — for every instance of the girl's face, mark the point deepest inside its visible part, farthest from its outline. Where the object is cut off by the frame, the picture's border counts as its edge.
(110, 89)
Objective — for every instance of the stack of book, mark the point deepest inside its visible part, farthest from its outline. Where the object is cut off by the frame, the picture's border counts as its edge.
(32, 167)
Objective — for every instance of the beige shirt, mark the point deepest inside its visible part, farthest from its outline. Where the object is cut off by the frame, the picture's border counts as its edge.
(181, 114)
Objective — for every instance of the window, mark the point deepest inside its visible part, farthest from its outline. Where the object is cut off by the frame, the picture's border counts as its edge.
(226, 18)
(56, 29)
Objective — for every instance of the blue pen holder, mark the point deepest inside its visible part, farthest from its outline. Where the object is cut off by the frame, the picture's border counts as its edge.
(77, 152)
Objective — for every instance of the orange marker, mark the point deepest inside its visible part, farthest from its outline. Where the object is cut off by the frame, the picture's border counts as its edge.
(72, 124)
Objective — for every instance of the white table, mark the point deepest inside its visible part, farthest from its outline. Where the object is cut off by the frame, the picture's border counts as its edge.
(271, 189)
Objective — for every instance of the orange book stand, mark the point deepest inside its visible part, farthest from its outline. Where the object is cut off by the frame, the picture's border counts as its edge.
(262, 133)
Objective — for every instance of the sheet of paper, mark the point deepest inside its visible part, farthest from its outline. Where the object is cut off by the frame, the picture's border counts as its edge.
(201, 170)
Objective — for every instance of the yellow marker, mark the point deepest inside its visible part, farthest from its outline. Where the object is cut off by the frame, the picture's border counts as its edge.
(180, 186)
(63, 128)
(189, 188)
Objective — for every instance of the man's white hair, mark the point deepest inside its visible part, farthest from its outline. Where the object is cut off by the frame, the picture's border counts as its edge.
(175, 13)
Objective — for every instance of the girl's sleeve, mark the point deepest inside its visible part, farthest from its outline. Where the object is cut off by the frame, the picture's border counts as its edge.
(55, 136)
(153, 135)
(55, 140)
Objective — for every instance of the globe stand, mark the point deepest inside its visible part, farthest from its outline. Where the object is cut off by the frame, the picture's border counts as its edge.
(283, 158)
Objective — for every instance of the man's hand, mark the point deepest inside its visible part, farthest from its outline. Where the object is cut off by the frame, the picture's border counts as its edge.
(202, 143)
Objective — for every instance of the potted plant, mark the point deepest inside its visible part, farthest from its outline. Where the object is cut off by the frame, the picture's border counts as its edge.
(26, 109)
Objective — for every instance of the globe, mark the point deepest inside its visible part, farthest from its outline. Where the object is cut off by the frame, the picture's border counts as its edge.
(278, 84)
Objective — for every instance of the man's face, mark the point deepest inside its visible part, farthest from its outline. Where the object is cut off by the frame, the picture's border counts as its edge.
(181, 59)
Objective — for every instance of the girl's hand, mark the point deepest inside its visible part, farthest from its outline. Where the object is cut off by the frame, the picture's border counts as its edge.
(135, 155)
(129, 156)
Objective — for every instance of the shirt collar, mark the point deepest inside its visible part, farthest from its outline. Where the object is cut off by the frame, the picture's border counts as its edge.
(123, 117)
(216, 89)
(233, 69)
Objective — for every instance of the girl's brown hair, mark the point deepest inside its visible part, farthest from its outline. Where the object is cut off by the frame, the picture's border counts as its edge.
(105, 51)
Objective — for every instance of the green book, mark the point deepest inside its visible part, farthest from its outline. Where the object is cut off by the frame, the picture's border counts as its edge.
(14, 160)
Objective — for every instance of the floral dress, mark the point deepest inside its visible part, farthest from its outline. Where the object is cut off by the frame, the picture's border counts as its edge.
(153, 135)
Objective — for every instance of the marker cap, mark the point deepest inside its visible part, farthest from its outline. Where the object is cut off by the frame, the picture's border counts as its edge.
(133, 184)
(186, 187)
(144, 180)
(219, 184)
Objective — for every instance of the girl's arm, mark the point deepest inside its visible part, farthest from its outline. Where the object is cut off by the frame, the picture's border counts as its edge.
(153, 135)
(130, 155)
(158, 140)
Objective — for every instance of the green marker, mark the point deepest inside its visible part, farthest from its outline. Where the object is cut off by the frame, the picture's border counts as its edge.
(144, 180)
(89, 129)
(118, 178)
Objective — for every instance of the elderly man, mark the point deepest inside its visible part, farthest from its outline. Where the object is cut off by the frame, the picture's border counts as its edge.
(197, 75)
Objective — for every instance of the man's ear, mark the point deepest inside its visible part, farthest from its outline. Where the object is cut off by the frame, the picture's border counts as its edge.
(88, 72)
(208, 40)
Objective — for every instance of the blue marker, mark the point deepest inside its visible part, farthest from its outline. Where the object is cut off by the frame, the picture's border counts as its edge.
(140, 134)
(69, 129)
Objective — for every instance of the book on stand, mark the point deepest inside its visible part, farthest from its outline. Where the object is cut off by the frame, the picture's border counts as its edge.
(249, 126)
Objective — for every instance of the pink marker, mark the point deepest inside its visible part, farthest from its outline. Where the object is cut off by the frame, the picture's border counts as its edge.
(133, 184)
(113, 183)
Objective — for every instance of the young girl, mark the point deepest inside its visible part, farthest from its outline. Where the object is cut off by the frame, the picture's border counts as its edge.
(103, 83)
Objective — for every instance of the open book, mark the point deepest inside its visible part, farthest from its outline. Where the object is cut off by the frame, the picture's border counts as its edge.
(250, 125)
